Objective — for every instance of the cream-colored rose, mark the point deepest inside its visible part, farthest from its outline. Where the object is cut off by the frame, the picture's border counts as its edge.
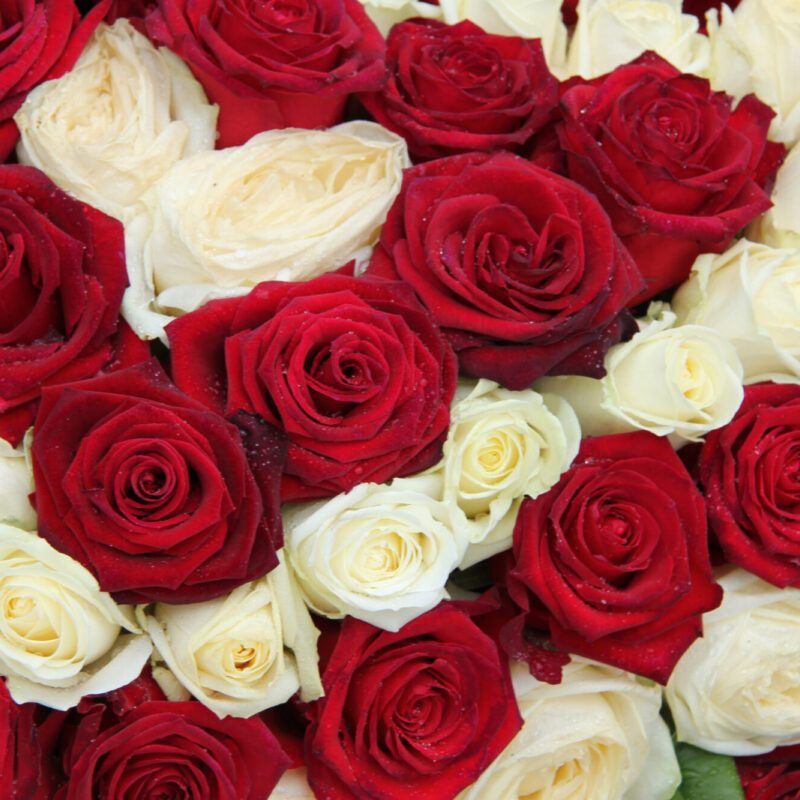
(780, 226)
(287, 205)
(531, 19)
(16, 484)
(378, 553)
(754, 50)
(751, 295)
(613, 32)
(293, 785)
(385, 13)
(737, 689)
(59, 634)
(501, 446)
(116, 122)
(242, 653)
(680, 382)
(597, 734)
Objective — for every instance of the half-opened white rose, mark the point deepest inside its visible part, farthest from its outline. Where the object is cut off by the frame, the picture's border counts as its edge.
(16, 483)
(242, 653)
(597, 734)
(59, 634)
(751, 295)
(735, 691)
(754, 50)
(378, 553)
(385, 13)
(116, 122)
(501, 446)
(780, 226)
(287, 205)
(613, 32)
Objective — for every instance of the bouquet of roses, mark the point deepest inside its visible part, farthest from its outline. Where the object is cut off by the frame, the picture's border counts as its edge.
(399, 399)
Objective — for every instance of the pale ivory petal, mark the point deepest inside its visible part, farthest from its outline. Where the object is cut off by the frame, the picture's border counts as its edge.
(385, 13)
(16, 484)
(780, 226)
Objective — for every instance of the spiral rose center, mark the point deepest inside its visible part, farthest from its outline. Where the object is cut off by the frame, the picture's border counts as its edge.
(469, 67)
(29, 623)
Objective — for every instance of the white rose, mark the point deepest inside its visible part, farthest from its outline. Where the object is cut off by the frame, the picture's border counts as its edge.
(16, 484)
(379, 553)
(754, 51)
(242, 653)
(117, 121)
(780, 226)
(680, 382)
(597, 734)
(751, 295)
(293, 785)
(385, 13)
(530, 19)
(59, 634)
(501, 446)
(287, 205)
(734, 691)
(613, 32)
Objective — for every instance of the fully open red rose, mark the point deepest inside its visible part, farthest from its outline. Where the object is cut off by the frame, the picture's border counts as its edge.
(518, 265)
(353, 370)
(455, 88)
(617, 555)
(62, 276)
(751, 473)
(419, 713)
(273, 63)
(676, 168)
(151, 491)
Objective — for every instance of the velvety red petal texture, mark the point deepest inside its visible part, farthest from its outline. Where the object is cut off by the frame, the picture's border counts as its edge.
(616, 554)
(454, 89)
(518, 265)
(750, 470)
(353, 370)
(418, 714)
(677, 168)
(773, 776)
(152, 492)
(273, 64)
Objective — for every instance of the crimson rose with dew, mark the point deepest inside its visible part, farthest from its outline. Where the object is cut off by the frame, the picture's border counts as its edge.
(750, 470)
(275, 63)
(773, 776)
(455, 88)
(418, 713)
(354, 370)
(518, 265)
(62, 276)
(616, 555)
(152, 492)
(678, 170)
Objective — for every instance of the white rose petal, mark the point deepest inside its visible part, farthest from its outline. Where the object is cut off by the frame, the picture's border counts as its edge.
(293, 785)
(59, 634)
(379, 553)
(385, 13)
(117, 121)
(597, 734)
(16, 484)
(780, 226)
(614, 32)
(735, 691)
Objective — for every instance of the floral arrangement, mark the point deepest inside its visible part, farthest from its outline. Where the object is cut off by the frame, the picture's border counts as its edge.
(399, 399)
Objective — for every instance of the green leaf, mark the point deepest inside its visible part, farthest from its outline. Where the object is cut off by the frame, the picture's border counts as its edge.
(678, 796)
(707, 776)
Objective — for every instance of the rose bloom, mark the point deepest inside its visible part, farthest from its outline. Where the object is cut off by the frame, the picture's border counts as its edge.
(676, 168)
(62, 275)
(16, 484)
(614, 558)
(420, 712)
(518, 265)
(354, 370)
(454, 89)
(152, 492)
(774, 776)
(780, 226)
(273, 64)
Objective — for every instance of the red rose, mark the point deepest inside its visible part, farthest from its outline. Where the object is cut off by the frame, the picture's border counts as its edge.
(152, 492)
(677, 170)
(419, 713)
(617, 555)
(453, 89)
(163, 749)
(518, 265)
(751, 473)
(275, 63)
(62, 276)
(701, 7)
(774, 776)
(353, 370)
(569, 10)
